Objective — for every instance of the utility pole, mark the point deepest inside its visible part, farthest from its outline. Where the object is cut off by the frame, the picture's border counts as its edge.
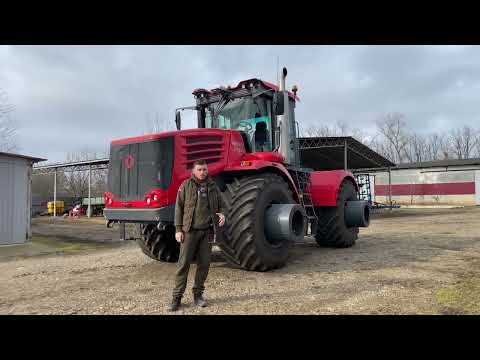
(55, 193)
(278, 61)
(390, 186)
(89, 210)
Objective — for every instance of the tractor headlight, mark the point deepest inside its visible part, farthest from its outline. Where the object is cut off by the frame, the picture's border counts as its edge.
(155, 197)
(148, 201)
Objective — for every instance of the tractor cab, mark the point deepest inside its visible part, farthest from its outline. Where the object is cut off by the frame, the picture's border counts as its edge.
(252, 116)
(250, 108)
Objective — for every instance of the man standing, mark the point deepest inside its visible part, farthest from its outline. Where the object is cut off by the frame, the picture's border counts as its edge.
(198, 204)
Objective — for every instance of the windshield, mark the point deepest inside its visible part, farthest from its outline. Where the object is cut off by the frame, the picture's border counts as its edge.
(250, 115)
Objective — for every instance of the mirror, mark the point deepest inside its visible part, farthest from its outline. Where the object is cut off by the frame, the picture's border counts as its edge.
(178, 119)
(278, 101)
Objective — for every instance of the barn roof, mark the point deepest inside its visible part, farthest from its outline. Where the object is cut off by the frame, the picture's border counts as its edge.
(19, 156)
(440, 163)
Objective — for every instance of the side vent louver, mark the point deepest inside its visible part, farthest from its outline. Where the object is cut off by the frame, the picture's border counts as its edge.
(207, 147)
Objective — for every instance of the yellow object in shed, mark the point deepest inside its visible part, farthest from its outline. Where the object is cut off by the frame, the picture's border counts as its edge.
(60, 206)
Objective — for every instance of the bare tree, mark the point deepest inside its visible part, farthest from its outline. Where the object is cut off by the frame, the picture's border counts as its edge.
(393, 128)
(469, 141)
(342, 128)
(320, 131)
(416, 149)
(154, 124)
(397, 143)
(383, 148)
(99, 182)
(339, 129)
(477, 145)
(436, 144)
(76, 183)
(42, 184)
(8, 127)
(463, 142)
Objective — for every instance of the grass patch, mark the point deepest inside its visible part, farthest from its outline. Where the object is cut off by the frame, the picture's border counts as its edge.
(59, 245)
(461, 298)
(49, 245)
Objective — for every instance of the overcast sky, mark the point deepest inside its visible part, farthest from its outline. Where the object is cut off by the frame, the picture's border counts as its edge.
(70, 98)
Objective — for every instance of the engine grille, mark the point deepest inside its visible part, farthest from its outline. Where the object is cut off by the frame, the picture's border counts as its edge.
(203, 147)
(137, 168)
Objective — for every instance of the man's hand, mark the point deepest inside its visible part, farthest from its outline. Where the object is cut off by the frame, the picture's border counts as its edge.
(179, 236)
(221, 221)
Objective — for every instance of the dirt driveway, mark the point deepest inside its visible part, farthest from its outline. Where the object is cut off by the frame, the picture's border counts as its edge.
(406, 262)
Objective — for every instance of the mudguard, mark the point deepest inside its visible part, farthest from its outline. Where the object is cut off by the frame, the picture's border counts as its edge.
(325, 186)
(259, 166)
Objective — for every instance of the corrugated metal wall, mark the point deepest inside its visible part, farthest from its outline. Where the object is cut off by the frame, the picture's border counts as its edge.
(15, 198)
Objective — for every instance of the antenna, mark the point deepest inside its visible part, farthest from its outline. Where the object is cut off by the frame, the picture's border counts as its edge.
(278, 60)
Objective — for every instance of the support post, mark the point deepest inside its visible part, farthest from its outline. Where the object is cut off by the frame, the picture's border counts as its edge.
(121, 227)
(55, 193)
(89, 209)
(390, 186)
(345, 156)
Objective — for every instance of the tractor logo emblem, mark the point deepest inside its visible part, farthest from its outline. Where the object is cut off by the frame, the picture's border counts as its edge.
(129, 162)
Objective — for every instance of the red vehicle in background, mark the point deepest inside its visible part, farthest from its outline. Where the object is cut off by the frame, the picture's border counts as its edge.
(78, 210)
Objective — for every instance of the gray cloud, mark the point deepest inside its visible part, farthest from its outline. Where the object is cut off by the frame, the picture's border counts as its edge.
(70, 98)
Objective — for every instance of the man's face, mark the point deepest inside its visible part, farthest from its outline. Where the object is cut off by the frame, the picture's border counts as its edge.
(200, 172)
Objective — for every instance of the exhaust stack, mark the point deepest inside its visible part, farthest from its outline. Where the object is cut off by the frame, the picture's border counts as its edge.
(286, 125)
(281, 86)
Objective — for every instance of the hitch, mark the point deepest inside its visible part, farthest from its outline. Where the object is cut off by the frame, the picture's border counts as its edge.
(110, 223)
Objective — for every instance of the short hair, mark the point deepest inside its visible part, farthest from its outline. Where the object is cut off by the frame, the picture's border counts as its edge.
(199, 162)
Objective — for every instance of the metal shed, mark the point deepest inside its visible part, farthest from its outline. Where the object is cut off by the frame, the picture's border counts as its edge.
(339, 152)
(15, 197)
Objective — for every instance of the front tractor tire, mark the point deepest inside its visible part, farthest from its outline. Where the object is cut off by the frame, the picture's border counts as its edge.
(245, 243)
(158, 244)
(332, 230)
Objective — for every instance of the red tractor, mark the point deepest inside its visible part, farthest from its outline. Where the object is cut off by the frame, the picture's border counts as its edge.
(247, 136)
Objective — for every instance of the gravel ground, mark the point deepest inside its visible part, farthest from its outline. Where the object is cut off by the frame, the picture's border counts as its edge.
(404, 263)
(93, 229)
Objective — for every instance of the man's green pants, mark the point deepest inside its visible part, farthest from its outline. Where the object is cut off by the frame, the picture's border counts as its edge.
(196, 242)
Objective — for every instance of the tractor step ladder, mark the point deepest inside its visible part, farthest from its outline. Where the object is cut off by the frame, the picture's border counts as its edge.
(303, 182)
(365, 191)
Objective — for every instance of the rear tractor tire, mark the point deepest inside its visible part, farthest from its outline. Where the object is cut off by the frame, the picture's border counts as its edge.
(158, 244)
(332, 230)
(245, 242)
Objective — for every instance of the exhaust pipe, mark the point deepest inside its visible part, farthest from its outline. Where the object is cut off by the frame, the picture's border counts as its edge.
(357, 213)
(286, 128)
(281, 86)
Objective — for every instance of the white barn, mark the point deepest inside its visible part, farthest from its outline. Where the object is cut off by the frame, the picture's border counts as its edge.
(15, 198)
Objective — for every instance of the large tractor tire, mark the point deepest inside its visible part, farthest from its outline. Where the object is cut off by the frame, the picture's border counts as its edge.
(158, 244)
(332, 230)
(244, 242)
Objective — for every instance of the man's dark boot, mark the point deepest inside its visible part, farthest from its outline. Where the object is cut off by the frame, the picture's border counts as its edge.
(175, 304)
(199, 301)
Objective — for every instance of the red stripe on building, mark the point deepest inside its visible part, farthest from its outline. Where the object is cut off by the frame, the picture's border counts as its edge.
(463, 188)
